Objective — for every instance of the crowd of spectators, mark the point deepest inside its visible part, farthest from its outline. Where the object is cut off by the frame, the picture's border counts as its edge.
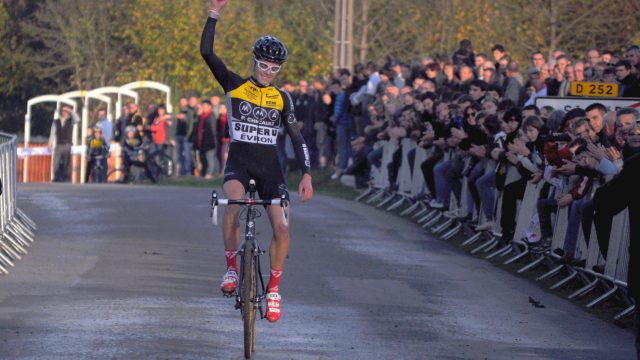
(477, 117)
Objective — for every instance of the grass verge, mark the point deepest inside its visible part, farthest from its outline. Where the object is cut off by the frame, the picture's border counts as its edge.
(322, 183)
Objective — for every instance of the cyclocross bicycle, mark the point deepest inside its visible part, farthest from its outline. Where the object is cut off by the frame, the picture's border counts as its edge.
(250, 294)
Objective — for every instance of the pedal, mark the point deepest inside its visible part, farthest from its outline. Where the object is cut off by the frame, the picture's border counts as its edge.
(229, 294)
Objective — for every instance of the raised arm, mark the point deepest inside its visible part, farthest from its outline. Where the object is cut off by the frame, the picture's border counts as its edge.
(218, 68)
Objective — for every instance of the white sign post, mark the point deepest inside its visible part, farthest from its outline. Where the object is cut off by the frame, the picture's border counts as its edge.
(567, 103)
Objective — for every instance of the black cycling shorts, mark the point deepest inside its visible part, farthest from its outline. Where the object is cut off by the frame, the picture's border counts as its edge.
(260, 163)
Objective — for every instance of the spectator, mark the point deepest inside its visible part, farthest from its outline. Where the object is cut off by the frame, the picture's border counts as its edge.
(158, 129)
(466, 76)
(342, 123)
(357, 174)
(97, 152)
(479, 64)
(136, 119)
(60, 141)
(537, 60)
(537, 86)
(193, 111)
(183, 144)
(595, 114)
(396, 75)
(321, 101)
(215, 105)
(578, 70)
(222, 138)
(122, 122)
(464, 55)
(514, 83)
(632, 56)
(565, 84)
(615, 196)
(498, 52)
(593, 57)
(477, 90)
(134, 153)
(205, 130)
(105, 125)
(609, 75)
(628, 81)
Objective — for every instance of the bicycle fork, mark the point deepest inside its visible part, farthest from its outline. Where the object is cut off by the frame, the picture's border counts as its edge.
(257, 252)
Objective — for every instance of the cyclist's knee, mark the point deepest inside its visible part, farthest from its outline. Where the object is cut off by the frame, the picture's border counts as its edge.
(231, 217)
(280, 231)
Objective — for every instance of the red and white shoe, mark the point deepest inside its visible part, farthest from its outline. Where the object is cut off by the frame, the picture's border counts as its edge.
(273, 306)
(229, 283)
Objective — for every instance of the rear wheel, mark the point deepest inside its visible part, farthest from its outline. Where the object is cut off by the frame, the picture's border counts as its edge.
(162, 166)
(117, 175)
(248, 295)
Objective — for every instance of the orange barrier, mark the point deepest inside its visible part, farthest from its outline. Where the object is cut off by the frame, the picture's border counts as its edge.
(39, 165)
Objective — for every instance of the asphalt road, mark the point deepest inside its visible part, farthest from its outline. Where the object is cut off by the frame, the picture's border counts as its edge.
(121, 272)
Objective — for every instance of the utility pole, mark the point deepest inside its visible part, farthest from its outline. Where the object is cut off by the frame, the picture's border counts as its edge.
(343, 35)
(350, 35)
(336, 35)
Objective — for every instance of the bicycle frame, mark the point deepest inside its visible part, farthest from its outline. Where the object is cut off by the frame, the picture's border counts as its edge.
(250, 293)
(250, 240)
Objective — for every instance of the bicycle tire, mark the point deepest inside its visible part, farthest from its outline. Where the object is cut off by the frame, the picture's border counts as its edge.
(115, 171)
(161, 165)
(96, 170)
(248, 294)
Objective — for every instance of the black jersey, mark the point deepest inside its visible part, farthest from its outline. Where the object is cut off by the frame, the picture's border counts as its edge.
(255, 113)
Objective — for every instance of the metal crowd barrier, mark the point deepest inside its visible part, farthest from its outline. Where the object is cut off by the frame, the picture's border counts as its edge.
(16, 229)
(411, 195)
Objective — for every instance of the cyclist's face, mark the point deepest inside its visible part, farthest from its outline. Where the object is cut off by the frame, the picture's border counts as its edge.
(265, 77)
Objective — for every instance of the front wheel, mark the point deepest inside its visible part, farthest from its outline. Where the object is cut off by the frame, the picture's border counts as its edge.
(162, 166)
(117, 175)
(248, 295)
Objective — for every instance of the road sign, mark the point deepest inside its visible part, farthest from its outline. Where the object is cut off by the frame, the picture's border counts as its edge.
(585, 88)
(568, 103)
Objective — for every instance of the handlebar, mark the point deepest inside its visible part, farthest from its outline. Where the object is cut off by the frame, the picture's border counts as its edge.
(251, 202)
(215, 201)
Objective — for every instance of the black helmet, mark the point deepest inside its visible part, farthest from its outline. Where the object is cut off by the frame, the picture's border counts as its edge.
(271, 49)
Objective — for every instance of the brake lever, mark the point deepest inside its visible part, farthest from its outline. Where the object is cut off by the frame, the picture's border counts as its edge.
(214, 208)
(283, 207)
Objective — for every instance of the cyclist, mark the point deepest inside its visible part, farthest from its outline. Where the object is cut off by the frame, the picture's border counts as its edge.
(97, 153)
(256, 111)
(135, 152)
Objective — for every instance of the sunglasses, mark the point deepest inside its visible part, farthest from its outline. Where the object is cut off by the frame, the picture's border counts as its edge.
(266, 67)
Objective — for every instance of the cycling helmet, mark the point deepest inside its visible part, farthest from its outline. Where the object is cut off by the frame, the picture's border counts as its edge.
(271, 49)
(129, 129)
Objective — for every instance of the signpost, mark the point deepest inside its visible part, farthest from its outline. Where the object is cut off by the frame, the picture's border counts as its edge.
(598, 89)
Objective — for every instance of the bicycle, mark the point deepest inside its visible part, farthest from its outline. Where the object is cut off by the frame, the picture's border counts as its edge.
(250, 294)
(160, 165)
(96, 170)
